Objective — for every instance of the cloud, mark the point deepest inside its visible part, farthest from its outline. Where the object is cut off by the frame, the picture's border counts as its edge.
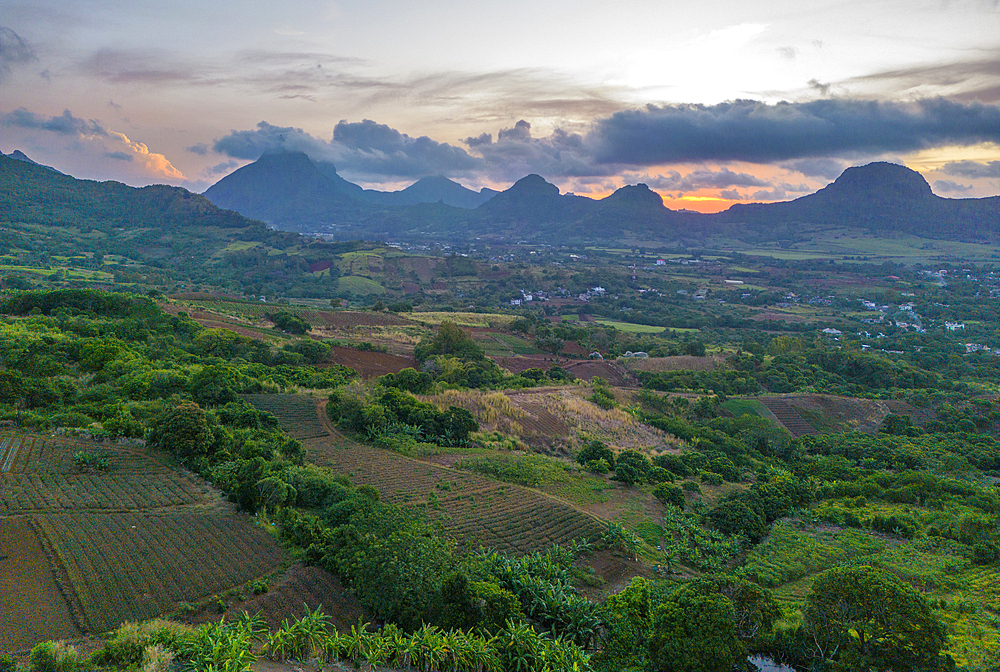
(972, 169)
(201, 149)
(752, 131)
(14, 50)
(702, 178)
(517, 153)
(949, 186)
(95, 137)
(788, 53)
(482, 139)
(64, 124)
(379, 149)
(521, 131)
(829, 169)
(731, 194)
(971, 79)
(136, 66)
(223, 167)
(363, 148)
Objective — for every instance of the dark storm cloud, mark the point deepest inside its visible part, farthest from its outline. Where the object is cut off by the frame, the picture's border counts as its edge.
(972, 168)
(14, 50)
(65, 124)
(118, 156)
(221, 168)
(517, 153)
(949, 186)
(366, 148)
(380, 149)
(481, 139)
(747, 130)
(829, 169)
(702, 179)
(249, 145)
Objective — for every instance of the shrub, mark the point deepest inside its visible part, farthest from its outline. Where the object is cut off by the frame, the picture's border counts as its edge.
(599, 466)
(53, 657)
(690, 486)
(711, 478)
(669, 494)
(7, 663)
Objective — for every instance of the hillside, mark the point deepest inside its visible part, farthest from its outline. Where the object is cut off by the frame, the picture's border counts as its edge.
(291, 192)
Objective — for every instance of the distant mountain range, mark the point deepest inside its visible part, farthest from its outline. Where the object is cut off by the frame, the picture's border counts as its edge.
(292, 192)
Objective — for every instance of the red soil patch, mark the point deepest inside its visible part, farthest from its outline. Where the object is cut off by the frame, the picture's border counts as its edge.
(614, 373)
(34, 608)
(371, 364)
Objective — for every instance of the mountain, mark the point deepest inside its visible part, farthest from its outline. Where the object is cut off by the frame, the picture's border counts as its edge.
(289, 191)
(18, 155)
(435, 189)
(879, 196)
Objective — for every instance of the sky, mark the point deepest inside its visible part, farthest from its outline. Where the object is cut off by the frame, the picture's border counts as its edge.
(709, 103)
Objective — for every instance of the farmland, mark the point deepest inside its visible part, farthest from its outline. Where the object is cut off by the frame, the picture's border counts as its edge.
(110, 532)
(132, 566)
(296, 413)
(476, 511)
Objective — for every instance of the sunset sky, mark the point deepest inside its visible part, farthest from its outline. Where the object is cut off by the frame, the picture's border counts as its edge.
(708, 103)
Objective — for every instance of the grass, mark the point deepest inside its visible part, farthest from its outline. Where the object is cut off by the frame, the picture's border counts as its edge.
(631, 327)
(463, 319)
(740, 407)
(519, 345)
(358, 285)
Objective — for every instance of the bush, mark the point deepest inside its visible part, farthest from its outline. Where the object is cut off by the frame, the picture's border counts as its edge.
(690, 486)
(711, 478)
(53, 657)
(669, 494)
(598, 466)
(7, 663)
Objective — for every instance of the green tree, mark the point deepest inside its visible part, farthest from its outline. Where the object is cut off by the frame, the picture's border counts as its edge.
(183, 430)
(866, 617)
(695, 632)
(450, 340)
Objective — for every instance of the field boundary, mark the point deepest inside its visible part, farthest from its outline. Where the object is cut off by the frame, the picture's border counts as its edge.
(61, 576)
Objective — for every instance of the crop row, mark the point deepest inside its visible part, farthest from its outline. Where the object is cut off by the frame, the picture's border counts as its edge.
(477, 511)
(22, 493)
(9, 445)
(296, 413)
(36, 454)
(133, 566)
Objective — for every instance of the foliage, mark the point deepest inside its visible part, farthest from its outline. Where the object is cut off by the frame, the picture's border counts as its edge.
(866, 616)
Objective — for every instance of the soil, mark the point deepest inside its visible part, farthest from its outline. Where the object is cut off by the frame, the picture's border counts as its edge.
(676, 363)
(34, 608)
(371, 364)
(289, 595)
(616, 571)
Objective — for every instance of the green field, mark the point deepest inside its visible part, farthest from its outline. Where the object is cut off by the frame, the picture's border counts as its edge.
(632, 327)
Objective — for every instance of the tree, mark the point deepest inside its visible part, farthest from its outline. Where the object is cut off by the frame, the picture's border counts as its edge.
(867, 617)
(182, 429)
(449, 340)
(695, 632)
(669, 494)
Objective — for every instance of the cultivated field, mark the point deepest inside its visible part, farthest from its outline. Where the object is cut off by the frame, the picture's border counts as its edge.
(296, 413)
(93, 534)
(132, 566)
(34, 608)
(475, 510)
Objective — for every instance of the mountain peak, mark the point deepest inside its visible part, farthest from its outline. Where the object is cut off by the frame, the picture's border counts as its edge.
(636, 194)
(880, 180)
(533, 185)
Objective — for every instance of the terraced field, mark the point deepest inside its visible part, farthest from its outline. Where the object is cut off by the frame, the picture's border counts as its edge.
(296, 413)
(132, 566)
(86, 544)
(475, 510)
(788, 416)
